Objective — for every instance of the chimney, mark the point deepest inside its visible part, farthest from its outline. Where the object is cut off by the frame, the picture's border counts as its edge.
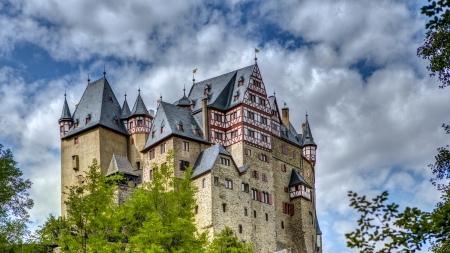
(303, 127)
(205, 118)
(285, 117)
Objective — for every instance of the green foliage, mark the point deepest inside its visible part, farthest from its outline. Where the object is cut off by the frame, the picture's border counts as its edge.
(436, 47)
(227, 242)
(14, 202)
(158, 217)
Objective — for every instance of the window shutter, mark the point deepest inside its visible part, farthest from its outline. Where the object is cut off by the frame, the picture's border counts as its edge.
(268, 159)
(292, 209)
(270, 199)
(260, 156)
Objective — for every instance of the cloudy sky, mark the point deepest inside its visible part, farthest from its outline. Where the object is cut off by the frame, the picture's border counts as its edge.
(375, 113)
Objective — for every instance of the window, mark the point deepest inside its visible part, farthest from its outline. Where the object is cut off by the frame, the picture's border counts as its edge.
(251, 133)
(131, 124)
(132, 141)
(255, 174)
(288, 208)
(217, 117)
(244, 187)
(185, 146)
(233, 115)
(88, 118)
(183, 165)
(263, 137)
(225, 161)
(240, 229)
(255, 194)
(263, 120)
(218, 136)
(267, 217)
(138, 165)
(283, 167)
(252, 97)
(216, 181)
(224, 207)
(257, 83)
(245, 212)
(116, 122)
(153, 134)
(151, 154)
(264, 177)
(150, 174)
(196, 209)
(250, 115)
(282, 224)
(228, 184)
(262, 101)
(286, 189)
(284, 149)
(248, 151)
(234, 134)
(180, 127)
(266, 198)
(162, 129)
(75, 141)
(75, 125)
(204, 183)
(254, 213)
(139, 122)
(163, 148)
(196, 132)
(263, 158)
(241, 81)
(236, 97)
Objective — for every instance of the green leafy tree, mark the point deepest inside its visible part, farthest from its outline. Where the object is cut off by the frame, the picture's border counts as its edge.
(14, 202)
(160, 215)
(227, 242)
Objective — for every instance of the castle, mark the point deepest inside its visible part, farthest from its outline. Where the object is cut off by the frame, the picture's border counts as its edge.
(255, 173)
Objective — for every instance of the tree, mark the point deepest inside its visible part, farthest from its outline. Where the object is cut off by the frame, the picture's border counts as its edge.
(14, 201)
(436, 47)
(227, 242)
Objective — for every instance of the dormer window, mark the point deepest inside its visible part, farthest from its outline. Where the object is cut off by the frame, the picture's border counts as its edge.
(236, 96)
(180, 126)
(88, 118)
(207, 88)
(241, 81)
(139, 122)
(162, 129)
(116, 120)
(153, 134)
(196, 131)
(192, 106)
(75, 124)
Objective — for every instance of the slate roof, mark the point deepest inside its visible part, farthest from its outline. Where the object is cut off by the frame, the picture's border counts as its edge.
(221, 89)
(307, 135)
(184, 101)
(244, 168)
(100, 104)
(65, 114)
(318, 231)
(205, 161)
(290, 135)
(120, 164)
(296, 179)
(125, 109)
(170, 116)
(139, 107)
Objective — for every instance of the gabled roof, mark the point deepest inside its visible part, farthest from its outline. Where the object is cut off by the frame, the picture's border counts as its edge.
(296, 179)
(99, 104)
(65, 114)
(307, 135)
(205, 161)
(139, 107)
(221, 89)
(170, 116)
(125, 109)
(120, 164)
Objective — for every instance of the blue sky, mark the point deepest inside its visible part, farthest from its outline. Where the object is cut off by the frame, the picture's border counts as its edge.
(375, 113)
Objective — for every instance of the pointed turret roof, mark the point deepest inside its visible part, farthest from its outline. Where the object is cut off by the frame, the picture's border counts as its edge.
(184, 101)
(125, 109)
(65, 114)
(308, 139)
(120, 164)
(139, 107)
(100, 105)
(296, 179)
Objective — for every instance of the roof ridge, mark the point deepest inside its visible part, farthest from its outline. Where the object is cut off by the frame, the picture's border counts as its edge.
(224, 74)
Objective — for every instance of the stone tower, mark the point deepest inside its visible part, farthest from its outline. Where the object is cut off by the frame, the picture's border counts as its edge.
(93, 132)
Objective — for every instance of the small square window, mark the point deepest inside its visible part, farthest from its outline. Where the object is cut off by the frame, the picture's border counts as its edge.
(216, 181)
(75, 141)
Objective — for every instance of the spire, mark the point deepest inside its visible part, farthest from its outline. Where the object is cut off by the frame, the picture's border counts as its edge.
(184, 101)
(89, 80)
(104, 70)
(139, 107)
(308, 139)
(65, 114)
(125, 109)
